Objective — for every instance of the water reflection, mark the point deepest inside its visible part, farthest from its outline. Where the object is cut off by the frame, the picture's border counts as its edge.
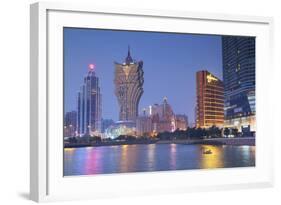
(151, 156)
(128, 158)
(123, 163)
(173, 156)
(213, 160)
(154, 157)
(93, 162)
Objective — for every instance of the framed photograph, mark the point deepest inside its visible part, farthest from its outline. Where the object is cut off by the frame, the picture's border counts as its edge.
(129, 102)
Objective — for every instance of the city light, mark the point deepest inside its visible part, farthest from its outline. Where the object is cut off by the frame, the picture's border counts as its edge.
(123, 138)
(91, 67)
(211, 78)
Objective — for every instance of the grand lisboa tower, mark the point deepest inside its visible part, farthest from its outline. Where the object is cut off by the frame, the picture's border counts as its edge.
(128, 82)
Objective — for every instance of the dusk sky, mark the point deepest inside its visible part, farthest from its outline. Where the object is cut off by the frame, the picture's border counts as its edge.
(170, 62)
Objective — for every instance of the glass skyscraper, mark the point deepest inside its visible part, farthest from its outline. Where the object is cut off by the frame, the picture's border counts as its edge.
(239, 81)
(89, 105)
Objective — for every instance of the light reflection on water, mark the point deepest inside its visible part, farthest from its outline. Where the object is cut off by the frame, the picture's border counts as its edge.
(173, 154)
(214, 160)
(154, 157)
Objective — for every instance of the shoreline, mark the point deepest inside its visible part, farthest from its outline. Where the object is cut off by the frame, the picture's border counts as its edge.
(246, 141)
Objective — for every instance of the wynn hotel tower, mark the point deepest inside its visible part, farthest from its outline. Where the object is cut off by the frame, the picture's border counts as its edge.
(210, 100)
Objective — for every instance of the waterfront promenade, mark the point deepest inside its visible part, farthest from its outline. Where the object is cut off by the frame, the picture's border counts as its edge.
(214, 141)
(250, 141)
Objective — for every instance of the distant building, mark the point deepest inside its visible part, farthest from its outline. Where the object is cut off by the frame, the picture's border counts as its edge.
(239, 82)
(70, 124)
(163, 118)
(158, 118)
(89, 105)
(144, 125)
(128, 80)
(181, 122)
(106, 123)
(210, 100)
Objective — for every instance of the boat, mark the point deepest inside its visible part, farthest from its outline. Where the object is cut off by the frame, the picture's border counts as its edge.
(207, 152)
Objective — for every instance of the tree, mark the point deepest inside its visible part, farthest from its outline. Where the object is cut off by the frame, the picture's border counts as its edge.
(95, 139)
(72, 140)
(214, 131)
(234, 131)
(226, 131)
(120, 137)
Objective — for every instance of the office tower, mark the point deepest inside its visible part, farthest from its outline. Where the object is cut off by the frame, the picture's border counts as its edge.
(89, 105)
(210, 100)
(128, 82)
(239, 81)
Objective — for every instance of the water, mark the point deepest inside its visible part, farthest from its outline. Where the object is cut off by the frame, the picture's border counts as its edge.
(154, 157)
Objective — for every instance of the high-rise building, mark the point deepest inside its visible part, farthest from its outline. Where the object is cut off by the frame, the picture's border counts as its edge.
(128, 82)
(239, 81)
(70, 124)
(89, 105)
(210, 100)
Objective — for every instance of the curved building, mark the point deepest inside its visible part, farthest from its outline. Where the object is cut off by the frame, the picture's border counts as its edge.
(128, 80)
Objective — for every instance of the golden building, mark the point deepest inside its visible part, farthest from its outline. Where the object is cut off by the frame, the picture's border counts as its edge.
(210, 100)
(128, 82)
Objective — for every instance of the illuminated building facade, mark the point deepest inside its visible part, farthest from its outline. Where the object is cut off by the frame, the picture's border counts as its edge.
(239, 82)
(157, 118)
(70, 124)
(128, 80)
(163, 118)
(89, 105)
(210, 100)
(120, 128)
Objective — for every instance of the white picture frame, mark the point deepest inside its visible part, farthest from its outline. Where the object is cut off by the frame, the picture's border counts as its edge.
(46, 179)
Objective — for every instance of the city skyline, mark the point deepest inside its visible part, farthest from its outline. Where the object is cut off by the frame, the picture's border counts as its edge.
(176, 57)
(148, 86)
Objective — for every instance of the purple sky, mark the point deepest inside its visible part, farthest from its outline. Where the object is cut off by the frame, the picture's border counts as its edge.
(170, 63)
